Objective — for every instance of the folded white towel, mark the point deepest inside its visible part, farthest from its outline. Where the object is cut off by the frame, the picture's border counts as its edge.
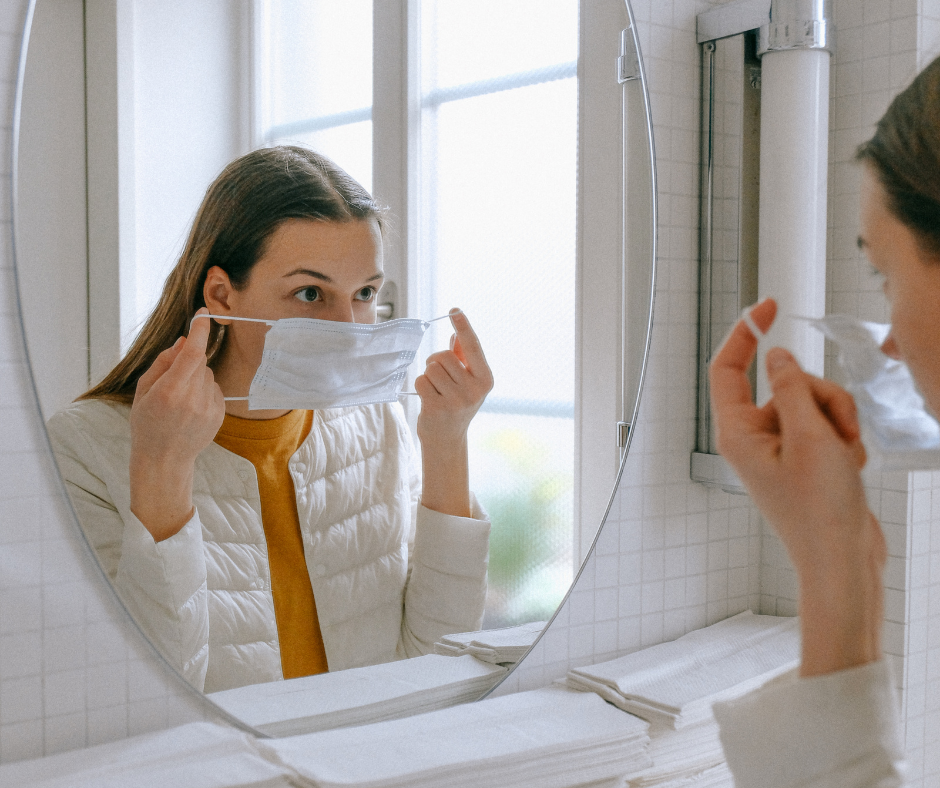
(675, 684)
(680, 756)
(359, 695)
(504, 646)
(198, 755)
(550, 738)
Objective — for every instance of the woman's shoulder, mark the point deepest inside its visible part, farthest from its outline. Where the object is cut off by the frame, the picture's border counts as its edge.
(90, 420)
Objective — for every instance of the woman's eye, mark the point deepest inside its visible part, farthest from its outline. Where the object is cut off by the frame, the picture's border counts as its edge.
(366, 294)
(308, 295)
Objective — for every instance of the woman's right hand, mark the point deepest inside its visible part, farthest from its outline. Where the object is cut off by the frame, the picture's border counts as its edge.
(177, 411)
(800, 457)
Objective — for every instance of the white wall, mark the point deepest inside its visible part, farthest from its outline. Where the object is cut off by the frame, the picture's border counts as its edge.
(51, 211)
(190, 119)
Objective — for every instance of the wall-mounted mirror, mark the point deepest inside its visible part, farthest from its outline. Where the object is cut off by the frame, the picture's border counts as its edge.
(517, 168)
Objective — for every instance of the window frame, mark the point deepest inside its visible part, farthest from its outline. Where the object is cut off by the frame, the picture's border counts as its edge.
(396, 114)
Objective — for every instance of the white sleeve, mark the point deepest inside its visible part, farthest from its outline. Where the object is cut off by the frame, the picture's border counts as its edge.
(446, 589)
(163, 585)
(840, 730)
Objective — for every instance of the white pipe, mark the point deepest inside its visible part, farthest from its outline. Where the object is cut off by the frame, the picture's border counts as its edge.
(793, 170)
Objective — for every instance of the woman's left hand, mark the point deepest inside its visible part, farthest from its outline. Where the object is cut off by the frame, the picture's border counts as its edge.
(453, 386)
(452, 389)
(800, 457)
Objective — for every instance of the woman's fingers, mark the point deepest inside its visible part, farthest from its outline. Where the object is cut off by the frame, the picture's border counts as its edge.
(728, 370)
(468, 349)
(443, 376)
(192, 356)
(160, 366)
(807, 406)
(838, 406)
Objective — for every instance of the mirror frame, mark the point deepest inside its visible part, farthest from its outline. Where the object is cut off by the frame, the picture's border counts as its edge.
(639, 85)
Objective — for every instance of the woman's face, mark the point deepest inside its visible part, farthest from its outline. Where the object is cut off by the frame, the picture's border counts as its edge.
(911, 284)
(321, 269)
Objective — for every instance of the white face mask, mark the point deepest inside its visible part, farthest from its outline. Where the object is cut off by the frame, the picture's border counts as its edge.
(897, 430)
(312, 364)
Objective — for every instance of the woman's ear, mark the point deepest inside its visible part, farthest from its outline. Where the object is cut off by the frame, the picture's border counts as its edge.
(217, 292)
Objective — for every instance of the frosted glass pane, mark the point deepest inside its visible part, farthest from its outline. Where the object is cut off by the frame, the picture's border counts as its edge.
(498, 239)
(468, 42)
(321, 61)
(503, 232)
(320, 68)
(523, 471)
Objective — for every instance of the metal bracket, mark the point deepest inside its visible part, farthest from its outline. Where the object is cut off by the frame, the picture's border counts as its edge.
(628, 64)
(623, 433)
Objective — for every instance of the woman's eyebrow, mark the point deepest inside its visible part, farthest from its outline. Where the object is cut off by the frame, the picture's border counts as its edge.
(324, 277)
(308, 272)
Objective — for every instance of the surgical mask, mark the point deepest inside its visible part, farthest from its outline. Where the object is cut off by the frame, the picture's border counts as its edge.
(312, 364)
(897, 430)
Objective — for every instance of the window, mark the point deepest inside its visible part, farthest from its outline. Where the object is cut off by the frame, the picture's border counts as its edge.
(491, 129)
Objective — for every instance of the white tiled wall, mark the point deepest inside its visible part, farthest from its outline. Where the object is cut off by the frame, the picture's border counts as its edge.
(674, 555)
(72, 672)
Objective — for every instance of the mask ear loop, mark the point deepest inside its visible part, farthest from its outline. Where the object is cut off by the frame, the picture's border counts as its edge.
(229, 317)
(749, 322)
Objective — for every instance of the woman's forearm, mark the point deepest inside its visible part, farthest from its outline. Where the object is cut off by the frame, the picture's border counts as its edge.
(842, 610)
(161, 494)
(446, 472)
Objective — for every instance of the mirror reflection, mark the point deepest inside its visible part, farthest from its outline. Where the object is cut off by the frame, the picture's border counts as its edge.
(462, 193)
(255, 544)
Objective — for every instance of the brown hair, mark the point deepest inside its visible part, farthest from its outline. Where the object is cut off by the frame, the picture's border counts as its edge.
(240, 211)
(905, 152)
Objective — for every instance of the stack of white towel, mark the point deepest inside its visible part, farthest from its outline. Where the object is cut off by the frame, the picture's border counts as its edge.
(497, 646)
(688, 758)
(673, 686)
(198, 755)
(555, 737)
(547, 738)
(359, 695)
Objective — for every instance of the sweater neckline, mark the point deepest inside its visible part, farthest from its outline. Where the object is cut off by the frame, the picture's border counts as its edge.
(261, 429)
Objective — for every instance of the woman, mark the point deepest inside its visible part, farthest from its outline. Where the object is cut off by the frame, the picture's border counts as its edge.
(800, 457)
(254, 545)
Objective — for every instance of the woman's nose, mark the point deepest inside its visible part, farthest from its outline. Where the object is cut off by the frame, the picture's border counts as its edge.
(890, 348)
(340, 312)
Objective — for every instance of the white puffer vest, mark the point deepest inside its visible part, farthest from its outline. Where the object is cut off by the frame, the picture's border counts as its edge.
(389, 577)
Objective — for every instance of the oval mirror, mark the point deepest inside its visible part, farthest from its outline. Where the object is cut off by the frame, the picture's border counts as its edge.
(512, 145)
